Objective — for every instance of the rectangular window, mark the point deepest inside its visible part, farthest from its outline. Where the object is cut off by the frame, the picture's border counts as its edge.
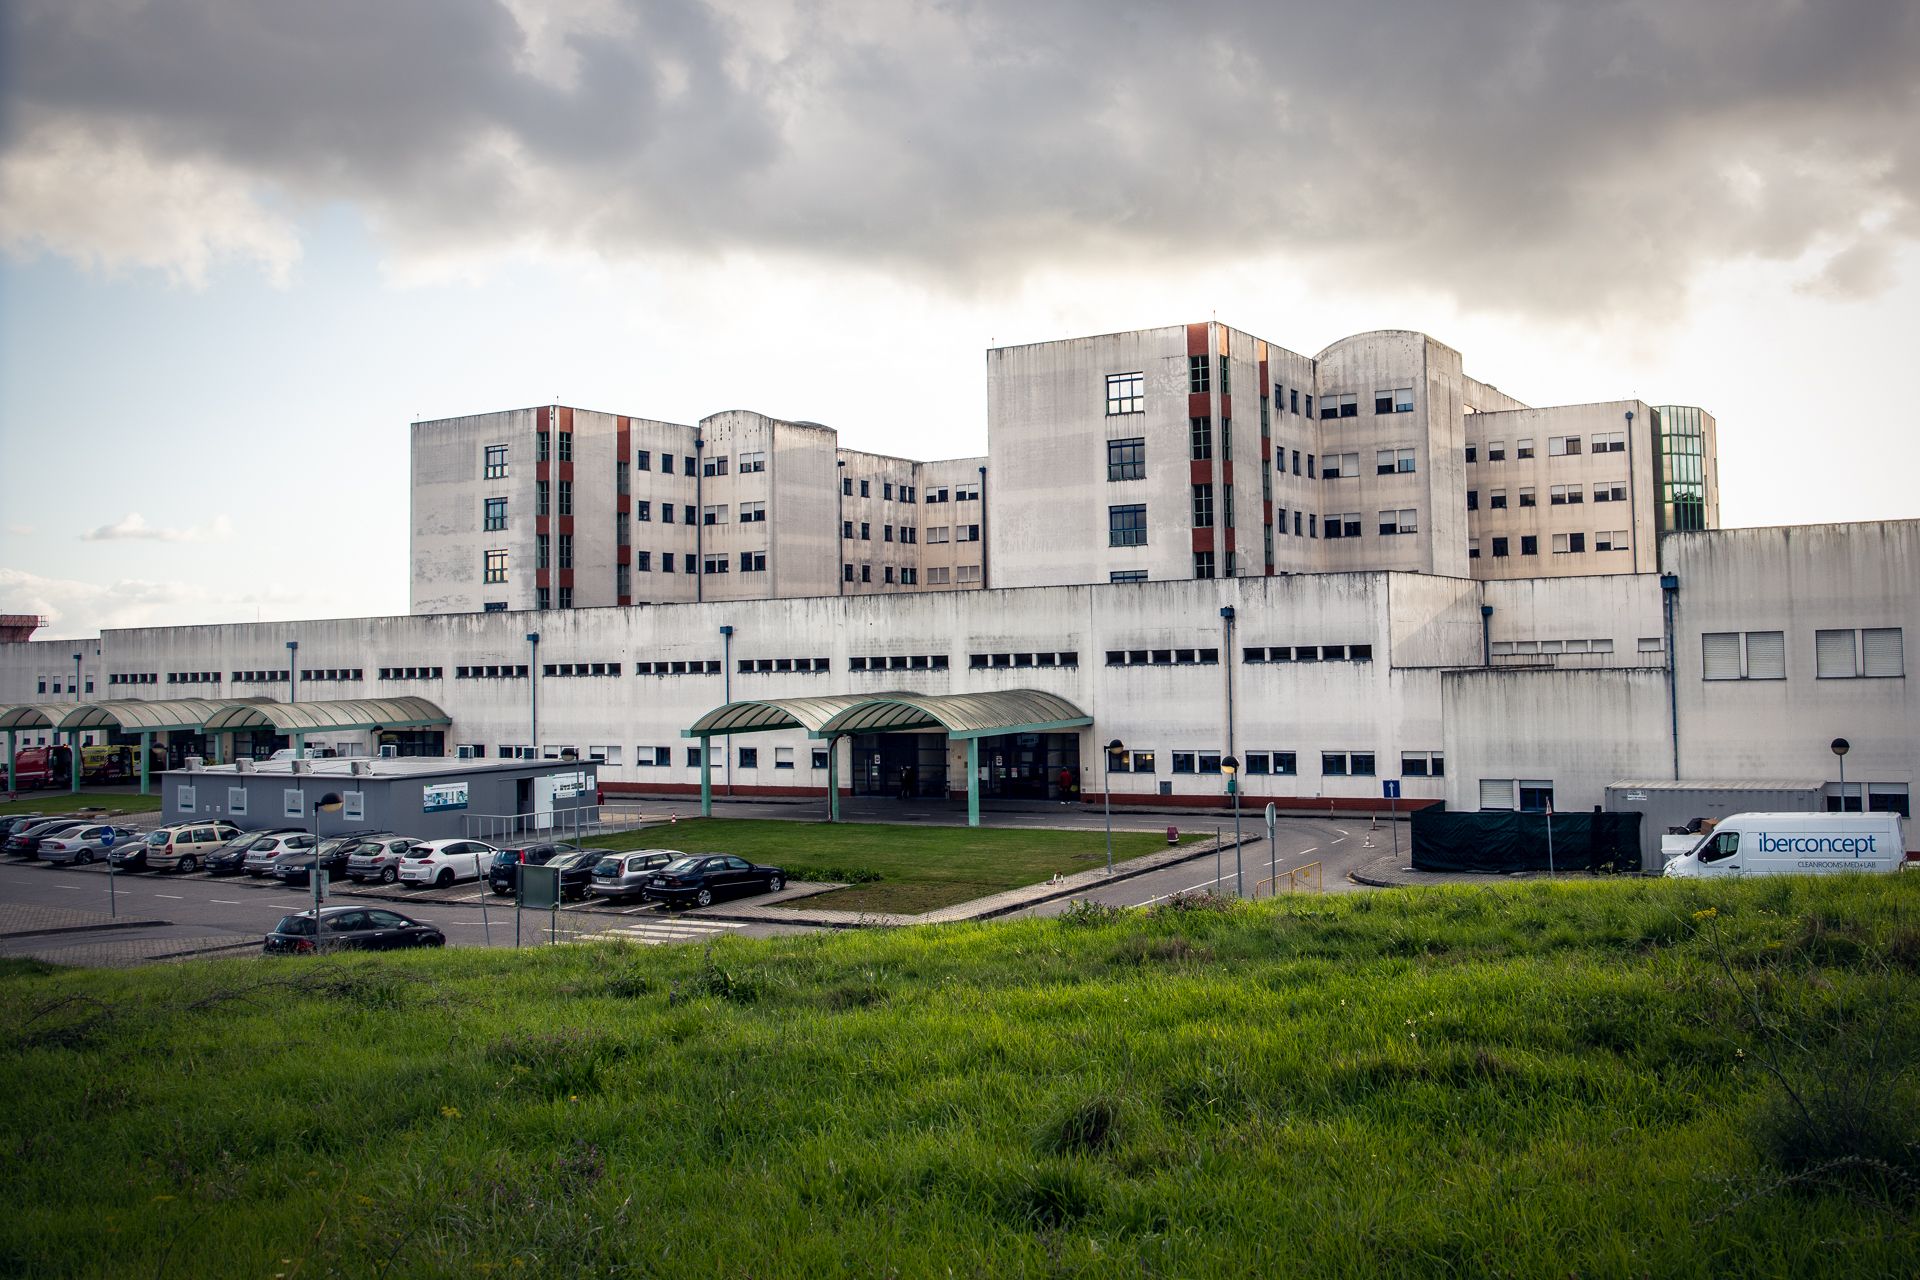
(1610, 540)
(1340, 464)
(1499, 548)
(1403, 399)
(753, 513)
(495, 566)
(1200, 438)
(714, 514)
(1496, 451)
(542, 501)
(566, 551)
(1609, 493)
(1566, 495)
(1473, 453)
(1529, 544)
(643, 461)
(566, 446)
(1126, 525)
(1497, 500)
(1610, 442)
(1883, 652)
(971, 532)
(686, 464)
(495, 514)
(566, 495)
(494, 466)
(1203, 506)
(1397, 522)
(1126, 393)
(1127, 459)
(1562, 446)
(1197, 375)
(1203, 564)
(753, 562)
(1473, 499)
(1127, 575)
(1523, 448)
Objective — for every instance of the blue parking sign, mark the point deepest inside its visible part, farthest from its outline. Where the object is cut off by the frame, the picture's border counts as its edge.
(1390, 788)
(107, 837)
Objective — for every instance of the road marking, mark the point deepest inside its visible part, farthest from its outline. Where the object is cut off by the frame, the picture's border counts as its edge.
(174, 896)
(223, 902)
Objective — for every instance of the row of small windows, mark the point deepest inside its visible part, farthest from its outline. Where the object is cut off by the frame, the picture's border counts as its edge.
(1281, 764)
(1162, 657)
(502, 671)
(751, 666)
(260, 677)
(1559, 495)
(580, 669)
(332, 673)
(129, 677)
(898, 662)
(410, 673)
(937, 575)
(1557, 447)
(689, 667)
(1839, 654)
(1307, 653)
(891, 492)
(994, 661)
(906, 577)
(905, 533)
(1594, 644)
(649, 757)
(1392, 400)
(1563, 544)
(195, 677)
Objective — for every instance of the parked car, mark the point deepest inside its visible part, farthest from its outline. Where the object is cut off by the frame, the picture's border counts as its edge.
(183, 846)
(441, 862)
(703, 878)
(26, 843)
(231, 857)
(260, 854)
(378, 858)
(625, 875)
(295, 866)
(576, 873)
(86, 844)
(503, 875)
(350, 928)
(18, 822)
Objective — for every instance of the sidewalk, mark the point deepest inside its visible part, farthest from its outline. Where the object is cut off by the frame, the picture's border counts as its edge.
(27, 920)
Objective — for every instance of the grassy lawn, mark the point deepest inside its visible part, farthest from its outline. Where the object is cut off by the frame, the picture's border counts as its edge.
(62, 801)
(898, 868)
(1531, 1080)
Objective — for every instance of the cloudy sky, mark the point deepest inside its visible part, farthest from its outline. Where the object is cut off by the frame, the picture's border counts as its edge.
(246, 242)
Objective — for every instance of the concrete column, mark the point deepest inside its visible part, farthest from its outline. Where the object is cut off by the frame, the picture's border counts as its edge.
(706, 777)
(74, 737)
(12, 772)
(146, 749)
(299, 744)
(833, 779)
(973, 782)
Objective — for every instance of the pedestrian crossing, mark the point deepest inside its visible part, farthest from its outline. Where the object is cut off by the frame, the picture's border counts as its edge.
(657, 932)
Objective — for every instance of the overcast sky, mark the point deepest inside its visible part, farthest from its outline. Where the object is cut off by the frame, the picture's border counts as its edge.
(247, 243)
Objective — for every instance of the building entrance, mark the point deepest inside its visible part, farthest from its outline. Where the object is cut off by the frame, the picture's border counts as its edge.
(899, 764)
(1031, 766)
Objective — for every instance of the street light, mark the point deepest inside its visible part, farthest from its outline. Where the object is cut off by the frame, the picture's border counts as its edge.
(533, 694)
(1106, 797)
(1840, 747)
(1231, 766)
(328, 803)
(76, 677)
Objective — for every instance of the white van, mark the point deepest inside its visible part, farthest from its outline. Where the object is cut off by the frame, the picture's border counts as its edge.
(1774, 844)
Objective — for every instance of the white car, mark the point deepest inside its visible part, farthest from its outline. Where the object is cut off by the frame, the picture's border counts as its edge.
(441, 862)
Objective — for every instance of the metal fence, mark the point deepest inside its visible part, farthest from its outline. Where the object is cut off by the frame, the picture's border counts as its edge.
(574, 824)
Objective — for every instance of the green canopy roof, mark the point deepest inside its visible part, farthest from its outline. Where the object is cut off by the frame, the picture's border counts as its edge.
(959, 715)
(320, 717)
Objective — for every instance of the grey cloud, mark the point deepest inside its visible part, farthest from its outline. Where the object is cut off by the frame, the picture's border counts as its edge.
(1538, 156)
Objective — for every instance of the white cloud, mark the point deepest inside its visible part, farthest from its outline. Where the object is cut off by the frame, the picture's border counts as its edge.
(133, 527)
(20, 530)
(74, 607)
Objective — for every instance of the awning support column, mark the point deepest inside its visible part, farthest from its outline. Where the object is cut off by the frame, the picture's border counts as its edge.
(973, 782)
(12, 776)
(75, 769)
(146, 751)
(706, 777)
(299, 746)
(833, 779)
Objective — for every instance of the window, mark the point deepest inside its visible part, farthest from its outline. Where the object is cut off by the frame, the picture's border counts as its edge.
(886, 531)
(714, 564)
(1423, 764)
(1343, 524)
(752, 462)
(495, 514)
(1473, 499)
(686, 464)
(1610, 540)
(1890, 797)
(1496, 451)
(1473, 453)
(566, 551)
(566, 495)
(1497, 500)
(1565, 495)
(1203, 506)
(1309, 466)
(1388, 462)
(1523, 448)
(1529, 544)
(496, 567)
(1343, 764)
(1127, 575)
(866, 531)
(1396, 522)
(1200, 438)
(541, 497)
(1609, 442)
(886, 574)
(1397, 400)
(1127, 459)
(1499, 548)
(713, 514)
(1721, 654)
(566, 446)
(749, 757)
(886, 491)
(1878, 652)
(1196, 375)
(666, 513)
(753, 562)
(753, 513)
(967, 573)
(1126, 393)
(1569, 543)
(643, 461)
(866, 573)
(1536, 795)
(566, 597)
(966, 493)
(715, 466)
(1473, 548)
(1339, 407)
(1203, 564)
(1562, 446)
(1126, 526)
(866, 488)
(494, 464)
(1341, 464)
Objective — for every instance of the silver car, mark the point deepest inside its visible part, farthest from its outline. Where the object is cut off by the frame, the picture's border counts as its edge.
(378, 858)
(262, 852)
(624, 875)
(85, 844)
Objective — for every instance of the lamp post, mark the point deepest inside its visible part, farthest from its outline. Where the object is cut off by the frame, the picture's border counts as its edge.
(1231, 767)
(1106, 797)
(533, 695)
(76, 677)
(1840, 747)
(328, 803)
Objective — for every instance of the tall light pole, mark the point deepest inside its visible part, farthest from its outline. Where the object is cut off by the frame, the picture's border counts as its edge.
(76, 677)
(533, 695)
(1231, 767)
(1840, 747)
(1106, 797)
(328, 803)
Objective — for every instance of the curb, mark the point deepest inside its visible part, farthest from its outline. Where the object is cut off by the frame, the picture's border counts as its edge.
(205, 951)
(85, 928)
(1116, 878)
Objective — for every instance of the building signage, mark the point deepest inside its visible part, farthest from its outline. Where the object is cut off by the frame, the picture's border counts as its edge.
(237, 801)
(1636, 795)
(566, 786)
(443, 796)
(291, 805)
(353, 806)
(186, 799)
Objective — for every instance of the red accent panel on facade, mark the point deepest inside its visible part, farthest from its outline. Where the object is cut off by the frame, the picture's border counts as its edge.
(1269, 571)
(543, 471)
(626, 600)
(566, 471)
(623, 503)
(1263, 379)
(543, 577)
(1199, 405)
(1197, 339)
(566, 523)
(566, 418)
(543, 524)
(540, 418)
(1230, 546)
(1226, 407)
(1203, 539)
(1226, 473)
(623, 555)
(1200, 472)
(566, 578)
(1266, 516)
(1266, 448)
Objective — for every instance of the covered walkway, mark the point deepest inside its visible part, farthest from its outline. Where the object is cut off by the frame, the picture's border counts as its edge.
(965, 716)
(207, 715)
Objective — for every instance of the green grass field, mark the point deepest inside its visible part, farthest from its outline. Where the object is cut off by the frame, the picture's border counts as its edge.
(1527, 1080)
(901, 868)
(62, 801)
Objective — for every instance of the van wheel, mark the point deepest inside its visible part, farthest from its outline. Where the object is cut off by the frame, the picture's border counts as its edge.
(444, 880)
(188, 865)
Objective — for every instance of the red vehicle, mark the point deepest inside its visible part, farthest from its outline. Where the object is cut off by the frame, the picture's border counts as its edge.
(42, 767)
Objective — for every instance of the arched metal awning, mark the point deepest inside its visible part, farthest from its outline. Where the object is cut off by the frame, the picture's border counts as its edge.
(757, 715)
(323, 717)
(32, 715)
(162, 715)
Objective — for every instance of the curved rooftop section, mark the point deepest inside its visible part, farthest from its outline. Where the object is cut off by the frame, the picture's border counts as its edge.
(314, 717)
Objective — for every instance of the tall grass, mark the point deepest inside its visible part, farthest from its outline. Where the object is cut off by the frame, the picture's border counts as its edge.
(1525, 1080)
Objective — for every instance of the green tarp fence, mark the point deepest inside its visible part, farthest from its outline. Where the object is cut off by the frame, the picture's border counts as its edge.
(1503, 841)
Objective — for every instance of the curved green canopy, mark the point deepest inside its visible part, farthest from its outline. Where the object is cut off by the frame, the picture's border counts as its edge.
(319, 717)
(959, 715)
(133, 715)
(757, 715)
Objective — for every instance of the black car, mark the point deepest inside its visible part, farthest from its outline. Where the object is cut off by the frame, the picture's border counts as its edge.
(25, 843)
(230, 859)
(296, 865)
(503, 876)
(128, 855)
(703, 878)
(18, 822)
(350, 929)
(576, 872)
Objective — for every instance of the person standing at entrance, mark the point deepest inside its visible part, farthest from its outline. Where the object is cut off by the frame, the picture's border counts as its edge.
(1066, 784)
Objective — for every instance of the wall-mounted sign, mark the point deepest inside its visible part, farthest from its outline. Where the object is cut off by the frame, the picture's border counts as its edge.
(186, 799)
(442, 796)
(353, 806)
(237, 801)
(291, 805)
(566, 786)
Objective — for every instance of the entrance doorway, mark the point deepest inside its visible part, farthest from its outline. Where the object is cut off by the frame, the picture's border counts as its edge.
(1031, 766)
(899, 764)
